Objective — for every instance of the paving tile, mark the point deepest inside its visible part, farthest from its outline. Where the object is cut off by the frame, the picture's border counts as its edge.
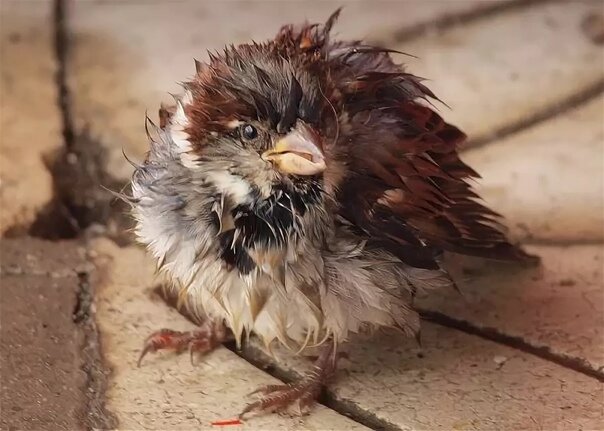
(462, 382)
(127, 57)
(28, 88)
(502, 70)
(167, 392)
(560, 305)
(43, 384)
(548, 181)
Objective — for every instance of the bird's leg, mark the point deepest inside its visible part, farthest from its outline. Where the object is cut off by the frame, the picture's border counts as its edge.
(300, 395)
(209, 336)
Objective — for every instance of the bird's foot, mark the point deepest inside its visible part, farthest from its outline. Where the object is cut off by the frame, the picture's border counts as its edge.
(299, 397)
(200, 341)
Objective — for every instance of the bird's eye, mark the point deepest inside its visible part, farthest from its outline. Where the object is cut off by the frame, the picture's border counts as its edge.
(248, 132)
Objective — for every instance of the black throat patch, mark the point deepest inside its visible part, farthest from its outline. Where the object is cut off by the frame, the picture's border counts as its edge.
(268, 223)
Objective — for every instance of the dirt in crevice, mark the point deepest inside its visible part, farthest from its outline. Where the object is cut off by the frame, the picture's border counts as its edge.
(96, 370)
(82, 204)
(448, 21)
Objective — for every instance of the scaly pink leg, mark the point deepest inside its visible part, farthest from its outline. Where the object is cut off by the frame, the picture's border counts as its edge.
(209, 336)
(303, 394)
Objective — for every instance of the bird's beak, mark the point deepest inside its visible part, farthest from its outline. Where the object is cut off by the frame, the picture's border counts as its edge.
(297, 153)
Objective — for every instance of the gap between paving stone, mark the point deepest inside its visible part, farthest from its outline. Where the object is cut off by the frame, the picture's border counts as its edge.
(519, 343)
(530, 384)
(81, 203)
(574, 101)
(445, 22)
(97, 416)
(481, 68)
(260, 359)
(61, 46)
(553, 310)
(97, 372)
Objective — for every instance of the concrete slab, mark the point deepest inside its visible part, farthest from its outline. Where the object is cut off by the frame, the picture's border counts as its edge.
(560, 306)
(167, 392)
(43, 384)
(461, 382)
(503, 70)
(127, 57)
(29, 93)
(548, 181)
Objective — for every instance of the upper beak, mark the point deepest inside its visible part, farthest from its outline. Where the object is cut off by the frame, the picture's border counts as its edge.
(297, 153)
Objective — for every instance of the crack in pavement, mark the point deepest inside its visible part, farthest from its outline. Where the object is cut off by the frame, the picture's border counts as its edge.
(516, 342)
(97, 416)
(451, 20)
(61, 46)
(328, 398)
(97, 374)
(582, 97)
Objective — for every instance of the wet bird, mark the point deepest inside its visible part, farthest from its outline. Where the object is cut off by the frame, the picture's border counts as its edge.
(304, 189)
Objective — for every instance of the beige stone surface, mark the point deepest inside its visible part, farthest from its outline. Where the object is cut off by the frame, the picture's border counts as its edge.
(559, 305)
(462, 382)
(548, 181)
(126, 57)
(30, 122)
(502, 70)
(167, 392)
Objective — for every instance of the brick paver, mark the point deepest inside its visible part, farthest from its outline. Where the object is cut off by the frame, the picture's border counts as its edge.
(28, 93)
(43, 382)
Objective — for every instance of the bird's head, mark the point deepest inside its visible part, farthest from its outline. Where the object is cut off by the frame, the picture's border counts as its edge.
(253, 119)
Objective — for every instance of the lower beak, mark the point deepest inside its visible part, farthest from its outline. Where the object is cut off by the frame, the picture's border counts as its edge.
(297, 153)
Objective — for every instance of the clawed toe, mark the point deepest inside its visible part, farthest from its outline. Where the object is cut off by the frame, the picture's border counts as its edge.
(163, 339)
(265, 390)
(201, 341)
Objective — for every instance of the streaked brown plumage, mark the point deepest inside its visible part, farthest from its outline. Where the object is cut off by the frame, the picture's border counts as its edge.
(302, 189)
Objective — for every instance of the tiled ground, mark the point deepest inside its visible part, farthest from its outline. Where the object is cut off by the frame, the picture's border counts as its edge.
(524, 80)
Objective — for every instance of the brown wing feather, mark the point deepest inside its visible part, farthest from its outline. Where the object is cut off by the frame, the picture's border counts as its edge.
(420, 179)
(407, 185)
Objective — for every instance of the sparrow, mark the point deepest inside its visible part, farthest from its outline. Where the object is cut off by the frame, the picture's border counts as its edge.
(304, 189)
